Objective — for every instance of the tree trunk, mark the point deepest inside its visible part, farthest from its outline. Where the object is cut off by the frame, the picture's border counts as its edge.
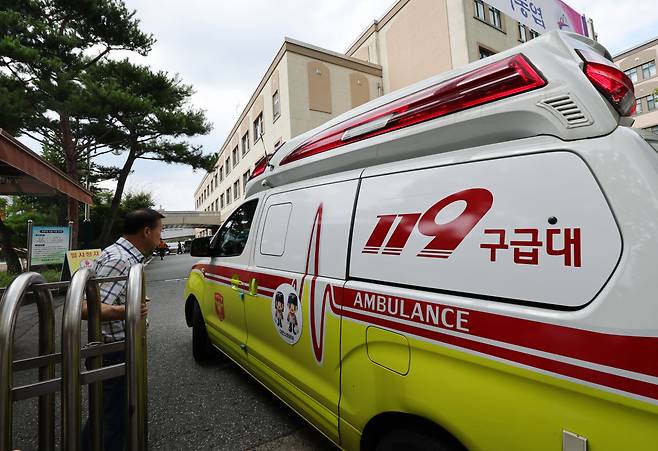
(13, 263)
(116, 200)
(73, 210)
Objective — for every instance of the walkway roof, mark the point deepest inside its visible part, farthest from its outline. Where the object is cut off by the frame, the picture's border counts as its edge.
(24, 172)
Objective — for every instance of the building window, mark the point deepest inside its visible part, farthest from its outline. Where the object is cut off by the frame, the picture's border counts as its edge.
(215, 179)
(494, 17)
(244, 142)
(485, 53)
(651, 102)
(276, 105)
(236, 190)
(523, 33)
(632, 74)
(245, 179)
(258, 127)
(221, 173)
(228, 165)
(221, 201)
(236, 157)
(638, 106)
(228, 195)
(479, 9)
(649, 70)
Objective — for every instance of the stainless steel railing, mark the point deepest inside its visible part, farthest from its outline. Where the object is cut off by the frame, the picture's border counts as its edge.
(9, 306)
(83, 284)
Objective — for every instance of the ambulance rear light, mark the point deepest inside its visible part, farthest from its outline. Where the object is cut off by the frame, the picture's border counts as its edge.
(610, 81)
(260, 167)
(495, 81)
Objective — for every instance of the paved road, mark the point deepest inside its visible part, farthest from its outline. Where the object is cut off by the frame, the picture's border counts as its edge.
(191, 407)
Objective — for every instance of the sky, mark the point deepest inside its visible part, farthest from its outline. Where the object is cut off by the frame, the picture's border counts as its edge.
(223, 49)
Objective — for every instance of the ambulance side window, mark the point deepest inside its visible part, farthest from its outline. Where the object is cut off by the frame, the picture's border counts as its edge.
(276, 229)
(231, 239)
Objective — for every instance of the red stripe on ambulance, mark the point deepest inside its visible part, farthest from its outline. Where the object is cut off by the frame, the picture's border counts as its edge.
(637, 354)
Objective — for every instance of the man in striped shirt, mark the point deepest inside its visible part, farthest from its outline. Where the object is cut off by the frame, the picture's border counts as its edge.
(141, 234)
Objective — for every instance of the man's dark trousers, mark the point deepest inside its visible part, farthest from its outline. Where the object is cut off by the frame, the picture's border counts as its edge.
(114, 409)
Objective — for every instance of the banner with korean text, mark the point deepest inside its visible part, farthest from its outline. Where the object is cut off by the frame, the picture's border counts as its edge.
(543, 15)
(81, 259)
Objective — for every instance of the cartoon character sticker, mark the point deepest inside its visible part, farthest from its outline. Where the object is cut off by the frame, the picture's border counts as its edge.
(292, 313)
(287, 313)
(279, 305)
(219, 306)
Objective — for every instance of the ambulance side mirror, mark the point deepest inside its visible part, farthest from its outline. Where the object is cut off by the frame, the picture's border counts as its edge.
(200, 247)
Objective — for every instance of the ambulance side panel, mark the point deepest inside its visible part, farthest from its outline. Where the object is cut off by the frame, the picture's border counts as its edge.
(301, 254)
(474, 228)
(468, 286)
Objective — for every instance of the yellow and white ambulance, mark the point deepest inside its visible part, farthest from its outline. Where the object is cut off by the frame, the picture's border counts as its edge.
(466, 263)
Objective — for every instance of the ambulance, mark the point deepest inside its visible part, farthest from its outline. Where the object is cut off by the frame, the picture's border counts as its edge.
(470, 262)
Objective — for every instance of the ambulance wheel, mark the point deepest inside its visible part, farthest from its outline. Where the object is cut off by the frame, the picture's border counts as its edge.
(416, 440)
(202, 350)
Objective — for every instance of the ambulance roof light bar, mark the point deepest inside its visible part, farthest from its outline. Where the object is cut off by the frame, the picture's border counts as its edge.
(500, 79)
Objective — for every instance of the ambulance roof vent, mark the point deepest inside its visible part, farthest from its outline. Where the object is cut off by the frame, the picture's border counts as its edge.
(567, 108)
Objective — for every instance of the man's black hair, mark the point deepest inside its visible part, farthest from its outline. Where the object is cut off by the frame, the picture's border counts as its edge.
(292, 299)
(138, 219)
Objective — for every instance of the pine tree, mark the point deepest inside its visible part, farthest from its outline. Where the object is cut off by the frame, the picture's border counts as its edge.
(45, 48)
(144, 114)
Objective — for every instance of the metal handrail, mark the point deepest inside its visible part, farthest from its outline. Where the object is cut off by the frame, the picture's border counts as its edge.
(65, 284)
(81, 283)
(136, 369)
(9, 306)
(84, 282)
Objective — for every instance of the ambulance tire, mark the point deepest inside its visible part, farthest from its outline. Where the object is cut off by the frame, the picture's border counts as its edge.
(410, 439)
(202, 350)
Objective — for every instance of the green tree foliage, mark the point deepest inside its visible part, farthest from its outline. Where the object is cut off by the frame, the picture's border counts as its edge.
(45, 48)
(144, 114)
(41, 210)
(46, 211)
(8, 251)
(13, 230)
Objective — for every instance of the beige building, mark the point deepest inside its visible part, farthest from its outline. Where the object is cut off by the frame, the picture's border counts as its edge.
(417, 39)
(639, 63)
(305, 86)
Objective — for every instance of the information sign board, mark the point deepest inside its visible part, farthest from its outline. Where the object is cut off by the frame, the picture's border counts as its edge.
(49, 245)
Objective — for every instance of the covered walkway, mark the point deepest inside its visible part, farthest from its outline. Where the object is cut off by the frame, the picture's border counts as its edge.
(23, 172)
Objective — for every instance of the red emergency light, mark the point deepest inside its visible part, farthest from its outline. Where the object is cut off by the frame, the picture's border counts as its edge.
(495, 81)
(260, 166)
(610, 81)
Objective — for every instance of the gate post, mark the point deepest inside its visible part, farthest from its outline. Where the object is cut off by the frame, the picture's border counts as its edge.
(81, 284)
(136, 371)
(9, 306)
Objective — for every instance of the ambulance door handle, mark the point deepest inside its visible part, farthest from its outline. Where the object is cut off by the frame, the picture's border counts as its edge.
(235, 285)
(253, 287)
